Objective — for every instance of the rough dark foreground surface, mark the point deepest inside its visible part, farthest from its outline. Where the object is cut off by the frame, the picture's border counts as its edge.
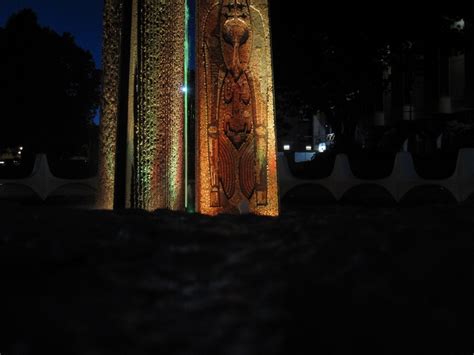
(333, 280)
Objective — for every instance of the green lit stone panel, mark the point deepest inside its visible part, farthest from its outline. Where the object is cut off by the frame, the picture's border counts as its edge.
(142, 138)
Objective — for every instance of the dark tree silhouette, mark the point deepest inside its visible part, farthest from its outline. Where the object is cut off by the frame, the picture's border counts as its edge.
(49, 87)
(333, 57)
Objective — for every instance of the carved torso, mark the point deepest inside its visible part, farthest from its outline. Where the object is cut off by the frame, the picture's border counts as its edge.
(236, 138)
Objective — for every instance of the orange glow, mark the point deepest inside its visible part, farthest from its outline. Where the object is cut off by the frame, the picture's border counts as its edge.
(236, 142)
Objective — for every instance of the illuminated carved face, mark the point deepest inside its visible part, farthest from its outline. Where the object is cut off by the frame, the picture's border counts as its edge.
(235, 35)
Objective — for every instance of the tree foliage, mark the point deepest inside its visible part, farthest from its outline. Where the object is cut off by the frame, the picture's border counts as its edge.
(332, 57)
(49, 89)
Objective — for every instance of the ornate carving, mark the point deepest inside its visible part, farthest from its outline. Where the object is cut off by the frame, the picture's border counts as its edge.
(237, 164)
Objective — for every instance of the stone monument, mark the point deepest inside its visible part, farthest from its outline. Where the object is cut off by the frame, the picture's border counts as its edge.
(142, 123)
(142, 127)
(236, 164)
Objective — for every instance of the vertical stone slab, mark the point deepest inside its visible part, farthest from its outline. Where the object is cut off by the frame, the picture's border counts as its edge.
(159, 124)
(236, 141)
(113, 14)
(142, 128)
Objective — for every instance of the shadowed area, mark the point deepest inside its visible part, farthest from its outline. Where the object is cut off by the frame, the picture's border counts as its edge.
(470, 200)
(427, 195)
(439, 166)
(18, 193)
(307, 195)
(371, 166)
(320, 167)
(368, 195)
(330, 281)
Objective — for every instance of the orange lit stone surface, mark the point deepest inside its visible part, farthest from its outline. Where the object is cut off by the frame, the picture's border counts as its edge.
(236, 165)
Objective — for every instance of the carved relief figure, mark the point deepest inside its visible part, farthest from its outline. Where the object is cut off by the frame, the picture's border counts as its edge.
(237, 129)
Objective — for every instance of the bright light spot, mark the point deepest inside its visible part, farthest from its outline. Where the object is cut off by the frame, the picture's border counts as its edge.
(21, 148)
(2, 162)
(308, 147)
(458, 25)
(322, 147)
(184, 89)
(286, 147)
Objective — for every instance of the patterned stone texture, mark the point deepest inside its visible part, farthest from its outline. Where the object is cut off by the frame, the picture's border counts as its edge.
(236, 168)
(108, 130)
(155, 106)
(159, 129)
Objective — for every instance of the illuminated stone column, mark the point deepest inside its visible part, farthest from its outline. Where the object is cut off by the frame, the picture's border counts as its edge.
(236, 144)
(142, 125)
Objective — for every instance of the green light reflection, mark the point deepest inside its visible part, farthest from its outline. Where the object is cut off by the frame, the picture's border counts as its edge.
(186, 98)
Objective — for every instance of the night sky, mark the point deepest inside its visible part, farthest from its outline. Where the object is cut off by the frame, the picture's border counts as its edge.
(83, 19)
(295, 33)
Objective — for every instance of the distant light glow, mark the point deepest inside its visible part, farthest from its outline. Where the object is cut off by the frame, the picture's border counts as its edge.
(286, 147)
(308, 147)
(184, 89)
(458, 25)
(322, 147)
(2, 162)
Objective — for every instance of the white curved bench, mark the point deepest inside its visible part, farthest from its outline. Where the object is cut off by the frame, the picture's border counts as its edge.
(45, 184)
(402, 179)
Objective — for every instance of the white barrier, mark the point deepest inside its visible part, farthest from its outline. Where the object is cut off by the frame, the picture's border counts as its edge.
(45, 184)
(401, 181)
